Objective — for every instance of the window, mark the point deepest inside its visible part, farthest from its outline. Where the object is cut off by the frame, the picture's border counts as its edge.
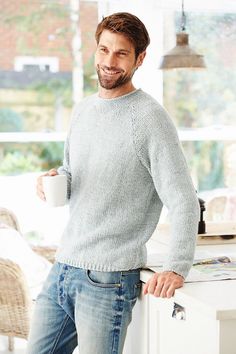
(202, 103)
(37, 65)
(24, 63)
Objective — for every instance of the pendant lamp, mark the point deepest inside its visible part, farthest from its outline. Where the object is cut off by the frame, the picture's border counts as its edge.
(182, 55)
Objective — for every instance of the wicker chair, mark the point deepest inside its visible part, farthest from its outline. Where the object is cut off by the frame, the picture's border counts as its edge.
(15, 299)
(15, 302)
(9, 218)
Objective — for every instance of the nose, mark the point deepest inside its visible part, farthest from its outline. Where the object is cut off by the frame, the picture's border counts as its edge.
(110, 60)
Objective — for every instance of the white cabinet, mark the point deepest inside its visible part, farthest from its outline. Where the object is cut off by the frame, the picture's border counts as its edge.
(198, 331)
(196, 334)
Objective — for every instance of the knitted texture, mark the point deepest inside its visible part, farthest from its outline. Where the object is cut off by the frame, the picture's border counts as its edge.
(123, 161)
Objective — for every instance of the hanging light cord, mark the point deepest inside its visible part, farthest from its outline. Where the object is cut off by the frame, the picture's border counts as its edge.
(183, 24)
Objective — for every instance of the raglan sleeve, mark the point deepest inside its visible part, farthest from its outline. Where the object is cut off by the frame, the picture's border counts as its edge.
(160, 152)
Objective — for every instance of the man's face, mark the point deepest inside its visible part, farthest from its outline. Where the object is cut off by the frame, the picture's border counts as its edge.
(115, 60)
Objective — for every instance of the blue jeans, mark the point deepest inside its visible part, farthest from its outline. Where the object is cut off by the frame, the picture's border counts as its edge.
(82, 307)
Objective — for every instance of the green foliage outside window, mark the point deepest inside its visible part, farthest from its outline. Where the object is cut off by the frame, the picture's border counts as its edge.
(10, 121)
(33, 157)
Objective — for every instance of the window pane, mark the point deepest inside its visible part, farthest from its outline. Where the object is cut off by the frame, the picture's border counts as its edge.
(205, 98)
(42, 42)
(37, 59)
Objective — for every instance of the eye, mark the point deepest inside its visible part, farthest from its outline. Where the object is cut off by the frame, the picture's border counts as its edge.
(122, 54)
(103, 50)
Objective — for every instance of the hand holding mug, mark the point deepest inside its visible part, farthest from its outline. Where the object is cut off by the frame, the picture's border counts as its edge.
(52, 188)
(39, 186)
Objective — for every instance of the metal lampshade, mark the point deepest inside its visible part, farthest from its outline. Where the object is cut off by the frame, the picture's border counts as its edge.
(182, 55)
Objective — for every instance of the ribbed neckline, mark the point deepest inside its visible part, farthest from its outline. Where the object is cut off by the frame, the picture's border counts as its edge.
(119, 98)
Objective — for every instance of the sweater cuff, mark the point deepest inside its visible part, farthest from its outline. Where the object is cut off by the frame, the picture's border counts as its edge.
(183, 273)
(170, 270)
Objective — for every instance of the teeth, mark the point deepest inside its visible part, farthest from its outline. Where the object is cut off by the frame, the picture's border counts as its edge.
(110, 72)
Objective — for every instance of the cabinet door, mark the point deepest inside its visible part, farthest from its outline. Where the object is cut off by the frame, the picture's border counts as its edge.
(137, 335)
(196, 334)
(227, 336)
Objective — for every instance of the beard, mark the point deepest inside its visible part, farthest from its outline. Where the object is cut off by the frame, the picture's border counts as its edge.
(110, 83)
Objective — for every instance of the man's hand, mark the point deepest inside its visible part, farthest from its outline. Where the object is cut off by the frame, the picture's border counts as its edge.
(163, 284)
(39, 186)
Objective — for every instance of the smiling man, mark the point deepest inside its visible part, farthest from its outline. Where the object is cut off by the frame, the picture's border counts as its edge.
(123, 161)
(116, 62)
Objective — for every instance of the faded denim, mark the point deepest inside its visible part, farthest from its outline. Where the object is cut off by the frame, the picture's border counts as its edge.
(82, 307)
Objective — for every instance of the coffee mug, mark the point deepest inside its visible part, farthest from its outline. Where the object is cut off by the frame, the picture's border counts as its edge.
(55, 189)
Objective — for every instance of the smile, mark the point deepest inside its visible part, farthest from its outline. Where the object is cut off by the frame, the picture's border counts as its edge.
(110, 72)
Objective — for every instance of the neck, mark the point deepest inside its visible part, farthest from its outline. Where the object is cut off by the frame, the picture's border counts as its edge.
(116, 92)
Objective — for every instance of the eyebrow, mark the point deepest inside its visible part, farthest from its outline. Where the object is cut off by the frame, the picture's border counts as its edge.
(119, 50)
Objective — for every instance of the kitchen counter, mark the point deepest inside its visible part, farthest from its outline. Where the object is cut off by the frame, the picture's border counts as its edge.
(204, 322)
(216, 298)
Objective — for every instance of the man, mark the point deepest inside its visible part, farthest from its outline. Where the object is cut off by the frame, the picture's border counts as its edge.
(123, 162)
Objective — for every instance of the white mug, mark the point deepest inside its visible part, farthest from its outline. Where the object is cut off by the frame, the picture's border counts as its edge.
(55, 189)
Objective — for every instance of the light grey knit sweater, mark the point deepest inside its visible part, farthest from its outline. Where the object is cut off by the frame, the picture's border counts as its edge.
(123, 161)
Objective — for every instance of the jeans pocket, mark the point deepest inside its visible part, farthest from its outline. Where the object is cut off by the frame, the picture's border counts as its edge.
(132, 285)
(104, 279)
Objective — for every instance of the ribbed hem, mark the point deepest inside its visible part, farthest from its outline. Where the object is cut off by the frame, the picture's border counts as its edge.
(97, 267)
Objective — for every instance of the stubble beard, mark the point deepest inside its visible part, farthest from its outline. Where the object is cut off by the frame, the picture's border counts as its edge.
(110, 83)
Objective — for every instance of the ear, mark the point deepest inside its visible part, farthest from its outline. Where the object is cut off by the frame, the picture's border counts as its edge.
(140, 59)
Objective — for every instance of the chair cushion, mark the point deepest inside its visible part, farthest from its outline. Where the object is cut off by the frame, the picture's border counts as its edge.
(14, 247)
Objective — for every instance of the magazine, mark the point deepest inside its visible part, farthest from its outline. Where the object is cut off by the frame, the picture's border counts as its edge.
(206, 267)
(215, 268)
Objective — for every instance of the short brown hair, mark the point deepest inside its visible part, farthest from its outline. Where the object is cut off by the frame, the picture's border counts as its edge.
(128, 25)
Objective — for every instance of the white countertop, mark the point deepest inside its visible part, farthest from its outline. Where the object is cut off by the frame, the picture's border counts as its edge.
(216, 299)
